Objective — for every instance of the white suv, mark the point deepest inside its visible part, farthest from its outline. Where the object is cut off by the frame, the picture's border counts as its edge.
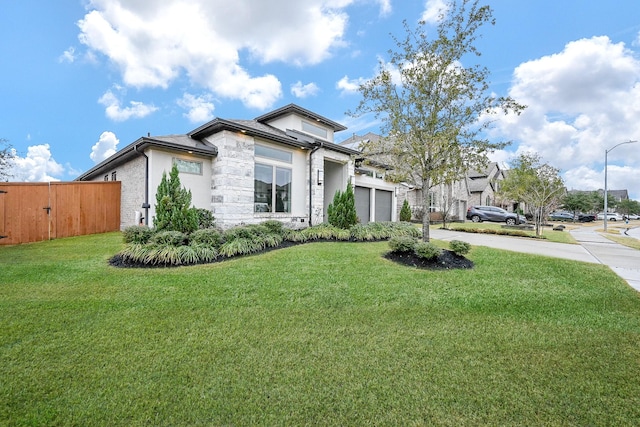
(611, 216)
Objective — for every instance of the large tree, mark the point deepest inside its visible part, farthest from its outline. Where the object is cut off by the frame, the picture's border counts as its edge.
(537, 184)
(434, 107)
(7, 154)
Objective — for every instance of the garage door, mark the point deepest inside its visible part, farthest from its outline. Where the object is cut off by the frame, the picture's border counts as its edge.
(363, 204)
(383, 205)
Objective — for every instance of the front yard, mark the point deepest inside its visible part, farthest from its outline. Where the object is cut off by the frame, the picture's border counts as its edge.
(317, 334)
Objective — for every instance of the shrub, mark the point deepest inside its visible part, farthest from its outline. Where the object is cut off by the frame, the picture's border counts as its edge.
(405, 212)
(342, 211)
(361, 232)
(169, 238)
(274, 226)
(459, 247)
(173, 211)
(137, 234)
(206, 236)
(205, 218)
(402, 244)
(426, 250)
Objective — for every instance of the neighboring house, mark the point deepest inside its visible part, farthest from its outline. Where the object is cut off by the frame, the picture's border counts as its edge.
(484, 186)
(618, 195)
(282, 165)
(476, 188)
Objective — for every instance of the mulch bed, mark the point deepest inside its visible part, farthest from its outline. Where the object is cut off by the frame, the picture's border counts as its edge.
(447, 260)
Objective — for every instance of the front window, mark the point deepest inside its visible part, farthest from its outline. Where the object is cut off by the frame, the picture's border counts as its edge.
(267, 196)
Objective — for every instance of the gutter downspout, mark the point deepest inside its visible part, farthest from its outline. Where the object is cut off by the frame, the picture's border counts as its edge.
(316, 147)
(146, 204)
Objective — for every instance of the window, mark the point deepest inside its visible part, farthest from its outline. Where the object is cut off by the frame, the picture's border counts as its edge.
(273, 153)
(267, 196)
(106, 177)
(113, 176)
(188, 166)
(316, 130)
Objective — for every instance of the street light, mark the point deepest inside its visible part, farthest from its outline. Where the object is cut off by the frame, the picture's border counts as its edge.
(606, 152)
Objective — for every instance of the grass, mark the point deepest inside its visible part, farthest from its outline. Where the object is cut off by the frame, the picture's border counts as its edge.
(317, 334)
(626, 241)
(548, 233)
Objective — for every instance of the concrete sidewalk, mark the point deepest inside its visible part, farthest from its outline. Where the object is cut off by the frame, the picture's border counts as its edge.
(593, 248)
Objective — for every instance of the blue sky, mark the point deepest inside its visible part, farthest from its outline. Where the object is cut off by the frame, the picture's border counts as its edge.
(80, 79)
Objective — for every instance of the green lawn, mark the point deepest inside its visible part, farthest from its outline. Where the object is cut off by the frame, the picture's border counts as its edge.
(317, 334)
(547, 232)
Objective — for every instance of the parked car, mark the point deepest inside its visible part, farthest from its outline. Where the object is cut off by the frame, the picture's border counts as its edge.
(494, 214)
(632, 216)
(582, 217)
(561, 216)
(611, 216)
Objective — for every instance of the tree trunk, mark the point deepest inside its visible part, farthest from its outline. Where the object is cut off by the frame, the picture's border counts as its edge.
(426, 218)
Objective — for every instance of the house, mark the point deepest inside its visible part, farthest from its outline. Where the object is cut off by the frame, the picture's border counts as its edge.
(282, 165)
(484, 186)
(478, 187)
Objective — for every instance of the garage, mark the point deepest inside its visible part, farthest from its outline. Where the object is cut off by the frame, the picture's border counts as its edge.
(363, 203)
(384, 204)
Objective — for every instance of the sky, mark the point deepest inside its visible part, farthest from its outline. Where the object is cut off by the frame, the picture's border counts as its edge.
(80, 79)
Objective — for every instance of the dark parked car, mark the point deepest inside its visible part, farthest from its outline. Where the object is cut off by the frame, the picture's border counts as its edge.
(494, 214)
(582, 217)
(561, 216)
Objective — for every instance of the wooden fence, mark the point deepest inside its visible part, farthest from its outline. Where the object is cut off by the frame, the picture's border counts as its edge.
(31, 212)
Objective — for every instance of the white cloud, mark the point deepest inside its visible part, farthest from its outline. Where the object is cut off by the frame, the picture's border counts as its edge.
(385, 7)
(105, 147)
(581, 102)
(349, 86)
(115, 112)
(303, 91)
(68, 55)
(200, 108)
(37, 166)
(433, 11)
(153, 43)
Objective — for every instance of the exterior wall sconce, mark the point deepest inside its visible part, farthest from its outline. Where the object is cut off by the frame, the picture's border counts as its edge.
(320, 176)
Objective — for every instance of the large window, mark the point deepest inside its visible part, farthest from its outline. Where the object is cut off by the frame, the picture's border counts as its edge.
(272, 182)
(272, 188)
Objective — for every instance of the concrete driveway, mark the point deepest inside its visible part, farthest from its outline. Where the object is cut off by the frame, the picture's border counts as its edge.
(593, 248)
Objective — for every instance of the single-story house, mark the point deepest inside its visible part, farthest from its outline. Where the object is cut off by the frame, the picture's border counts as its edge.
(282, 165)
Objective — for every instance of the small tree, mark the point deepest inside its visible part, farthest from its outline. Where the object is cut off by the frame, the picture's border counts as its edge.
(405, 212)
(577, 202)
(173, 208)
(342, 211)
(537, 184)
(6, 160)
(628, 206)
(435, 105)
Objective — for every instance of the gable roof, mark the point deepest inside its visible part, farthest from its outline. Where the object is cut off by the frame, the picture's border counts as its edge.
(179, 143)
(296, 109)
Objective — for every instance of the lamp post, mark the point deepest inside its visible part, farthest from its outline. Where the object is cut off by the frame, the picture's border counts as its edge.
(606, 153)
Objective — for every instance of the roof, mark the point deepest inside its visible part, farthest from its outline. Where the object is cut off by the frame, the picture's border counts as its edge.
(194, 142)
(296, 109)
(256, 128)
(180, 143)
